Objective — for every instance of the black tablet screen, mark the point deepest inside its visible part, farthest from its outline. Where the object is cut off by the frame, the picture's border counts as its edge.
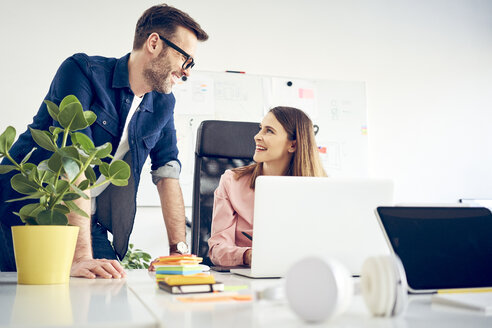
(441, 247)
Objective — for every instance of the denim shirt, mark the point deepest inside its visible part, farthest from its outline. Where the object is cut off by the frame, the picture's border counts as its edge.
(102, 86)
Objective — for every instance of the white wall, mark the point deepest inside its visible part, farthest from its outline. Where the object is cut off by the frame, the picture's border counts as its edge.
(427, 65)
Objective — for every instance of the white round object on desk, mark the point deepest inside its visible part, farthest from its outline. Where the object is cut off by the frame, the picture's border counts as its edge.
(383, 284)
(318, 288)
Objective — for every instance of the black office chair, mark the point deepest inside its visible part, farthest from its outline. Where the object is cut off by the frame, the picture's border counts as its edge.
(220, 145)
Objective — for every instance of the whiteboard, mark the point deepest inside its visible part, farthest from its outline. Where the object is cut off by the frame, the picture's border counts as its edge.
(338, 108)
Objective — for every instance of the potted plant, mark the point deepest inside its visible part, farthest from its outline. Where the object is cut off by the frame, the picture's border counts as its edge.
(44, 247)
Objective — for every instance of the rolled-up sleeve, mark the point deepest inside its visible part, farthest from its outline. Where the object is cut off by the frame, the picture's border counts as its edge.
(170, 170)
(164, 155)
(223, 249)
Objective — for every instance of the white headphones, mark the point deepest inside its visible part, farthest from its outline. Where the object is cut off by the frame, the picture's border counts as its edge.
(320, 288)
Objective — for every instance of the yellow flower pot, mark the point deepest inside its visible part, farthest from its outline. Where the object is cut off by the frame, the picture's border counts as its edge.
(44, 254)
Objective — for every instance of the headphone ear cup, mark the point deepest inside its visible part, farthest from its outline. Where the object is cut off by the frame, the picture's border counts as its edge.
(383, 284)
(401, 300)
(318, 288)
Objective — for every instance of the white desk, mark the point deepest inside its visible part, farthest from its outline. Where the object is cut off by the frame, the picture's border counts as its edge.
(172, 313)
(81, 303)
(137, 302)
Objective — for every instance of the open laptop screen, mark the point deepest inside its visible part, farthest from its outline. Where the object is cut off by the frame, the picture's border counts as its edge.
(441, 247)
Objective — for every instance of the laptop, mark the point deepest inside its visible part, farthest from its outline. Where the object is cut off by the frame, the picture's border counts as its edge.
(296, 217)
(440, 247)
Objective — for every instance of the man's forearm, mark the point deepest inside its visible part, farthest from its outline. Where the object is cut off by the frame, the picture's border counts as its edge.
(83, 250)
(172, 209)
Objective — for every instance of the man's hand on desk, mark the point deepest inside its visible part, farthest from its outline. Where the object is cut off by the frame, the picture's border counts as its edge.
(92, 268)
(247, 257)
(151, 266)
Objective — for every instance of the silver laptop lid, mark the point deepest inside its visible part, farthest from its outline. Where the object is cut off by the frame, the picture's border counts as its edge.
(295, 217)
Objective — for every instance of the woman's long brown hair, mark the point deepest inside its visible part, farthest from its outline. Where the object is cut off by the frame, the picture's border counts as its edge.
(305, 161)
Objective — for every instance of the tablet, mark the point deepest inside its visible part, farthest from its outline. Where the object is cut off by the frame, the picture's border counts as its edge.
(440, 247)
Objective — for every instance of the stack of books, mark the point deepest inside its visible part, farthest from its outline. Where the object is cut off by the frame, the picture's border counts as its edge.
(179, 265)
(181, 274)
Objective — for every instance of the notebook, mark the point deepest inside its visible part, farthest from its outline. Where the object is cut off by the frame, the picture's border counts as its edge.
(196, 288)
(441, 247)
(295, 217)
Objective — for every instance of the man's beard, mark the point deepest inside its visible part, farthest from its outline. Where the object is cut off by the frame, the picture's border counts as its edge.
(158, 74)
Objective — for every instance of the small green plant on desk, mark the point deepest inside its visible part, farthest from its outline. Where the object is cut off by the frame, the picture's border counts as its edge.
(66, 176)
(53, 188)
(136, 259)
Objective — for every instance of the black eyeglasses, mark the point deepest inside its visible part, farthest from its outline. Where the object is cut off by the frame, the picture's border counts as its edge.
(189, 61)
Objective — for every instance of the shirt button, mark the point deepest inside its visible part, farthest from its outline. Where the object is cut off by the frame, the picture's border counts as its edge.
(104, 122)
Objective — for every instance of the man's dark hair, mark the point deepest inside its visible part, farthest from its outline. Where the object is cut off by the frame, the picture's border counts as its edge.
(164, 19)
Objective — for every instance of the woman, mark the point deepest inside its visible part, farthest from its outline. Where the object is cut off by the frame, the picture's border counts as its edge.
(285, 145)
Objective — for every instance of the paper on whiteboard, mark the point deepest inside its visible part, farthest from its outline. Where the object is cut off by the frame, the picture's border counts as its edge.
(296, 93)
(194, 96)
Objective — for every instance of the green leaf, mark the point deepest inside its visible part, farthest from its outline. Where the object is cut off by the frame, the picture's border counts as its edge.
(55, 163)
(104, 169)
(43, 166)
(136, 259)
(62, 186)
(72, 117)
(23, 185)
(55, 130)
(90, 117)
(51, 188)
(33, 171)
(30, 221)
(29, 168)
(52, 217)
(71, 168)
(70, 196)
(26, 158)
(30, 211)
(84, 185)
(36, 195)
(7, 139)
(61, 208)
(90, 174)
(45, 176)
(119, 182)
(68, 100)
(75, 209)
(119, 170)
(52, 109)
(84, 141)
(104, 150)
(80, 192)
(43, 139)
(70, 151)
(7, 168)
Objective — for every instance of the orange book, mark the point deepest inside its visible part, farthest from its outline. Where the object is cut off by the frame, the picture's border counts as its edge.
(175, 258)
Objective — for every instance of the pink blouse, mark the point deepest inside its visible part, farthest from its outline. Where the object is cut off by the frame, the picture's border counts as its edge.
(232, 214)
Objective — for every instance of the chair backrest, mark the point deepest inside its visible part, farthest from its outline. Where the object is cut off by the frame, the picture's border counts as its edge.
(220, 145)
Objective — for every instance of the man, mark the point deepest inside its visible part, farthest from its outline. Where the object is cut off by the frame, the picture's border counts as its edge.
(132, 99)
